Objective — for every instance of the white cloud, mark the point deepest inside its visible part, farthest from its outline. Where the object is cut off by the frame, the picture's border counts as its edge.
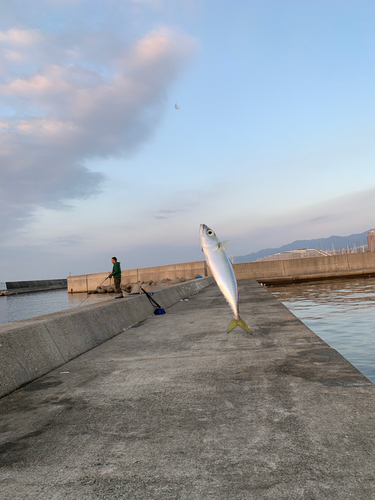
(69, 113)
(13, 56)
(21, 37)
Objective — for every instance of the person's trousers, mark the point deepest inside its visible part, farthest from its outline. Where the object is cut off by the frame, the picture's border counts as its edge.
(117, 282)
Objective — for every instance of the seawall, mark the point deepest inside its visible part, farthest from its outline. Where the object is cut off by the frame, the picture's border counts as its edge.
(14, 287)
(308, 268)
(188, 270)
(33, 347)
(268, 271)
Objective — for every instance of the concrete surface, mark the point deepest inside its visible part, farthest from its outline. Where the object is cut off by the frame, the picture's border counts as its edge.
(32, 347)
(304, 268)
(344, 264)
(175, 408)
(301, 278)
(15, 287)
(188, 270)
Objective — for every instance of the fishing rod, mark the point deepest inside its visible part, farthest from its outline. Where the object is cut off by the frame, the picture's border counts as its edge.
(159, 309)
(88, 296)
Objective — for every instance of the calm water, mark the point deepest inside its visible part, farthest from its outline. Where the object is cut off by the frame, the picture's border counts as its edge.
(28, 305)
(341, 312)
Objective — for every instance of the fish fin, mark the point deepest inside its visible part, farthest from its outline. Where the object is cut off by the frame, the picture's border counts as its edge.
(223, 245)
(238, 322)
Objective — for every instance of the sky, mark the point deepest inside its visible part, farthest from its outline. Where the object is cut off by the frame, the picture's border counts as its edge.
(272, 140)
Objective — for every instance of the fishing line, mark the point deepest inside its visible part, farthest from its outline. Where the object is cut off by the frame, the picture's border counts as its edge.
(88, 295)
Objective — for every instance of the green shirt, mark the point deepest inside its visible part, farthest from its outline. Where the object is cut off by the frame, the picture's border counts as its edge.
(116, 271)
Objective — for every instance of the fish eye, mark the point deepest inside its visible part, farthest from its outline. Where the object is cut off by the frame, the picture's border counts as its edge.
(210, 233)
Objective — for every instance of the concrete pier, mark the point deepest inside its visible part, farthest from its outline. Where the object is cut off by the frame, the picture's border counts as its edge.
(16, 287)
(32, 347)
(272, 271)
(175, 408)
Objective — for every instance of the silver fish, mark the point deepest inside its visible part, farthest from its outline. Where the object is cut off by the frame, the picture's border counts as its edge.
(222, 271)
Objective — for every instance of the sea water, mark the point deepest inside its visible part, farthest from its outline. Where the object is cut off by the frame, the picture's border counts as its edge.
(29, 305)
(341, 312)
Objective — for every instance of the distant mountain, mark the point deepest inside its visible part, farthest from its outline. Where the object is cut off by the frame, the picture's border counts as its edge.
(338, 242)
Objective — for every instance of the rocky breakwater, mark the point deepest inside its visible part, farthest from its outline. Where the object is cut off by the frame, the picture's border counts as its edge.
(135, 288)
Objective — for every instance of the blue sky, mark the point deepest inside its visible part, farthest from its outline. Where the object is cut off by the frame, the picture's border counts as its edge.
(273, 140)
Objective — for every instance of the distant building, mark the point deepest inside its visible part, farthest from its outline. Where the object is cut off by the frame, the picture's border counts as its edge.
(371, 241)
(296, 254)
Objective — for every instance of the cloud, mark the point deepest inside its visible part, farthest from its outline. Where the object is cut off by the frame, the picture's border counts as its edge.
(166, 214)
(13, 56)
(21, 37)
(66, 113)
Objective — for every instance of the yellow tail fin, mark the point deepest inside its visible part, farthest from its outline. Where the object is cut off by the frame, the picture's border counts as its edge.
(240, 322)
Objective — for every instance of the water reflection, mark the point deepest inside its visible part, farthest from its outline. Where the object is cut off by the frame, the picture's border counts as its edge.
(341, 312)
(29, 305)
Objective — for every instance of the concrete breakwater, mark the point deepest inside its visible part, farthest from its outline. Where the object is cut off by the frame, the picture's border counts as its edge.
(310, 268)
(31, 348)
(178, 409)
(135, 288)
(188, 270)
(280, 271)
(14, 287)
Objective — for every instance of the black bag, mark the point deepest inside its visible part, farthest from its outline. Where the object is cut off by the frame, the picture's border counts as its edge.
(159, 309)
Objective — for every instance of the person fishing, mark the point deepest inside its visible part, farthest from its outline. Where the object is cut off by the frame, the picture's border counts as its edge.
(116, 275)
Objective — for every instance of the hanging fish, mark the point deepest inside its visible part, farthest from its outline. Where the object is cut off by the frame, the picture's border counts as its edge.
(222, 271)
(176, 106)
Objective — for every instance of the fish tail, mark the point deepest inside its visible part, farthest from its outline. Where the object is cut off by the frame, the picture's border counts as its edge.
(238, 322)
